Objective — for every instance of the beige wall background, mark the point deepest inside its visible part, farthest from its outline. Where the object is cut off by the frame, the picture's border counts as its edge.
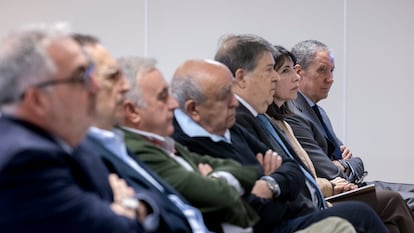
(370, 102)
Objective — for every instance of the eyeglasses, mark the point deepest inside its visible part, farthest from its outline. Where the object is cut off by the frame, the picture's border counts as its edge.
(81, 75)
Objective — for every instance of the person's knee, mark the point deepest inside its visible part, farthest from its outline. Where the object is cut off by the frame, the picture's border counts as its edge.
(329, 225)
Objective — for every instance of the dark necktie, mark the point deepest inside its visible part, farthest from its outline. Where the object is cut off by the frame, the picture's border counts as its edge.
(266, 123)
(337, 151)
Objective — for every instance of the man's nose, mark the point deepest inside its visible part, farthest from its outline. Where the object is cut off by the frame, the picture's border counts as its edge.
(93, 84)
(172, 102)
(275, 76)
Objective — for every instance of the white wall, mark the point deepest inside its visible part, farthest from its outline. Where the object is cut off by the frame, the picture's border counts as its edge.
(372, 41)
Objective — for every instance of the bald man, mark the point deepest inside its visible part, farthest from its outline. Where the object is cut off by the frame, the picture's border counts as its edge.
(205, 123)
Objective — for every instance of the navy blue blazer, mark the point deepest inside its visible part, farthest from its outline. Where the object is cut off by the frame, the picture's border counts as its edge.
(313, 138)
(303, 204)
(243, 148)
(45, 189)
(172, 218)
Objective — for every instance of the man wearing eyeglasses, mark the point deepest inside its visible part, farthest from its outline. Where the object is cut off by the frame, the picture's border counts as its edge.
(165, 210)
(47, 103)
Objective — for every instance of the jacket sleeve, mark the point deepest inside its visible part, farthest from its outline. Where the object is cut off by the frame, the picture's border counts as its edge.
(289, 176)
(246, 175)
(42, 188)
(310, 139)
(208, 194)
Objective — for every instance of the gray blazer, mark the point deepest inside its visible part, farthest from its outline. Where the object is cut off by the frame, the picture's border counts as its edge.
(311, 135)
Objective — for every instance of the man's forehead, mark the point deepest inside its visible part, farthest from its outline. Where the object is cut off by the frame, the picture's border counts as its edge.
(324, 58)
(152, 79)
(66, 54)
(265, 59)
(101, 57)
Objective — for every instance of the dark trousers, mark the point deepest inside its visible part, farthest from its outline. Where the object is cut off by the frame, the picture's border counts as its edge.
(394, 212)
(406, 190)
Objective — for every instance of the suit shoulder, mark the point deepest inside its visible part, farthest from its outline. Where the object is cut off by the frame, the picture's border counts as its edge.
(18, 138)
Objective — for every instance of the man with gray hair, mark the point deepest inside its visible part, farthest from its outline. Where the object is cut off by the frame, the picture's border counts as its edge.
(313, 128)
(209, 125)
(47, 103)
(159, 207)
(215, 186)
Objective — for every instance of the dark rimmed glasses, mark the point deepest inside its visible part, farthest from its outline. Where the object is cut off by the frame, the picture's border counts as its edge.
(81, 75)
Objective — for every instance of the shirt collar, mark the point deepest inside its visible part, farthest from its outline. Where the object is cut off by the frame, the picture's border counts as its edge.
(166, 143)
(247, 105)
(66, 147)
(192, 129)
(102, 134)
(309, 101)
(145, 133)
(113, 140)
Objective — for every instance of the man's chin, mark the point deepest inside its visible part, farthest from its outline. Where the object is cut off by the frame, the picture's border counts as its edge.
(169, 132)
(230, 122)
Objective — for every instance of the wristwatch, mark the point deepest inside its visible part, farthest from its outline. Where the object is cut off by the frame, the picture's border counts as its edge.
(272, 185)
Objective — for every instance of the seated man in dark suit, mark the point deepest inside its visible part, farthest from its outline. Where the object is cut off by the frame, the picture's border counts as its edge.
(315, 66)
(47, 104)
(211, 184)
(389, 205)
(106, 142)
(215, 186)
(206, 112)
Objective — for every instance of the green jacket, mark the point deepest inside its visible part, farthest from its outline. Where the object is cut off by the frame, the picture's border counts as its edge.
(218, 201)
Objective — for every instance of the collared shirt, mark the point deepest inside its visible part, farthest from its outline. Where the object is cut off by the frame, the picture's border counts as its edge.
(114, 142)
(247, 105)
(165, 143)
(309, 101)
(193, 129)
(66, 147)
(326, 119)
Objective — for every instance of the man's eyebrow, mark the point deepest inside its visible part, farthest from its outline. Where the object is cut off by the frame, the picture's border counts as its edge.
(79, 70)
(223, 92)
(111, 72)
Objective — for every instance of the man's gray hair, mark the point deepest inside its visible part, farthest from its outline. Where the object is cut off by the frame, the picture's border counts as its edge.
(305, 51)
(241, 51)
(184, 88)
(130, 67)
(24, 60)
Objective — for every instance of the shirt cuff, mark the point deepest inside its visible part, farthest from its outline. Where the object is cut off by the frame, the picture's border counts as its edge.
(151, 222)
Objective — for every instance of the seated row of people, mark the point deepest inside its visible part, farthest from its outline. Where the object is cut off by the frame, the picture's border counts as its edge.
(219, 131)
(86, 145)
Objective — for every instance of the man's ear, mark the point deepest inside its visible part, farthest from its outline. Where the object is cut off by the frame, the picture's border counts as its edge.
(190, 108)
(36, 102)
(239, 76)
(130, 112)
(298, 69)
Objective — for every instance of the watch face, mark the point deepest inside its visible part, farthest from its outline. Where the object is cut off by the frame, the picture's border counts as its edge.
(274, 187)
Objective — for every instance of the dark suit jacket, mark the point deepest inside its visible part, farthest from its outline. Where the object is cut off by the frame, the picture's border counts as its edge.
(303, 203)
(311, 135)
(243, 148)
(45, 189)
(172, 219)
(218, 201)
(246, 119)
